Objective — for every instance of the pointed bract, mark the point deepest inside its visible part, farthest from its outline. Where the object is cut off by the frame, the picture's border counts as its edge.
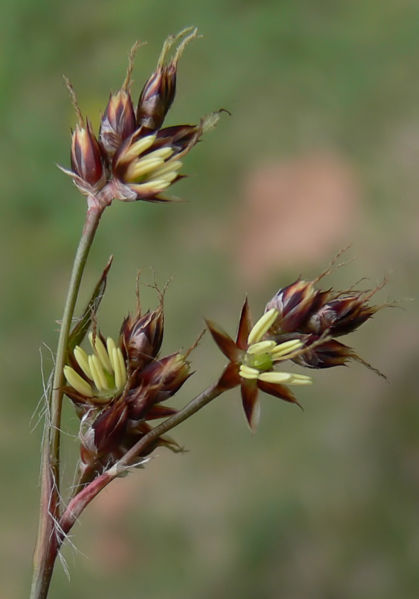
(224, 341)
(250, 401)
(294, 303)
(245, 326)
(118, 121)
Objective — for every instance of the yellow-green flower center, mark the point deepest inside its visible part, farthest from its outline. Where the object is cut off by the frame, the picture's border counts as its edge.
(261, 355)
(261, 362)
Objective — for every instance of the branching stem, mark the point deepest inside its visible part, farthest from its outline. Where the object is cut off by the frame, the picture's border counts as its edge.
(77, 505)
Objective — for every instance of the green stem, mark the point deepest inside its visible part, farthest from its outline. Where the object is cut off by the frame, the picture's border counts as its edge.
(77, 505)
(47, 543)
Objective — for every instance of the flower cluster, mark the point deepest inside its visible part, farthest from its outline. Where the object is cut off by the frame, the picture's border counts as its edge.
(316, 318)
(121, 386)
(133, 158)
(299, 324)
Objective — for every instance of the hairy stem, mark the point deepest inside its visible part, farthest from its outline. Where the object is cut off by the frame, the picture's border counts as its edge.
(85, 496)
(47, 541)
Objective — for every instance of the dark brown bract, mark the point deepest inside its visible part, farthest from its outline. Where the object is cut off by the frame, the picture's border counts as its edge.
(120, 387)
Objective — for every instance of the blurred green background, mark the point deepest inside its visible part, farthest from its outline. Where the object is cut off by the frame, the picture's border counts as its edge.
(321, 150)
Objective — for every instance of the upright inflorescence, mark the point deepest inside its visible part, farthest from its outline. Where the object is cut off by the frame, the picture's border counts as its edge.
(133, 157)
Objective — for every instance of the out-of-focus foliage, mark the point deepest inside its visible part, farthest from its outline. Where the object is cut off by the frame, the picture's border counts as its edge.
(322, 148)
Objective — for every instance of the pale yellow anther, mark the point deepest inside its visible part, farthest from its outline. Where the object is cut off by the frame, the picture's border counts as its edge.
(261, 347)
(285, 348)
(275, 377)
(82, 360)
(122, 366)
(141, 145)
(300, 379)
(168, 177)
(98, 375)
(163, 153)
(168, 167)
(110, 345)
(139, 168)
(120, 372)
(262, 326)
(100, 351)
(150, 186)
(247, 372)
(77, 382)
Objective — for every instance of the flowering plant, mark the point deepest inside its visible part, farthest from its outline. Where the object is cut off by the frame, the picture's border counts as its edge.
(120, 386)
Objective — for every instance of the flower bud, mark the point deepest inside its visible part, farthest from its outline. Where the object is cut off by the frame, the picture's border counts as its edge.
(294, 304)
(341, 315)
(159, 380)
(118, 121)
(324, 354)
(86, 157)
(159, 91)
(109, 428)
(156, 97)
(142, 337)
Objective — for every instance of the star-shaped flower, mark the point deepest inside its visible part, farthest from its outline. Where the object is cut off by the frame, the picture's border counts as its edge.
(253, 358)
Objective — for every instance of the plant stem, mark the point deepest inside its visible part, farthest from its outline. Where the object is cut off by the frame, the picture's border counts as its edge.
(85, 496)
(47, 543)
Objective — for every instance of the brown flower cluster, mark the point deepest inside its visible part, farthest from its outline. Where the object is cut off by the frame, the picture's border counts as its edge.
(133, 157)
(299, 324)
(316, 318)
(120, 387)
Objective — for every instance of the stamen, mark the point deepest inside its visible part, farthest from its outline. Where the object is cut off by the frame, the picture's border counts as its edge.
(110, 344)
(122, 366)
(168, 177)
(161, 153)
(82, 360)
(100, 351)
(300, 379)
(261, 347)
(120, 372)
(151, 186)
(262, 326)
(77, 382)
(98, 375)
(168, 167)
(287, 347)
(138, 168)
(137, 148)
(247, 372)
(275, 377)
